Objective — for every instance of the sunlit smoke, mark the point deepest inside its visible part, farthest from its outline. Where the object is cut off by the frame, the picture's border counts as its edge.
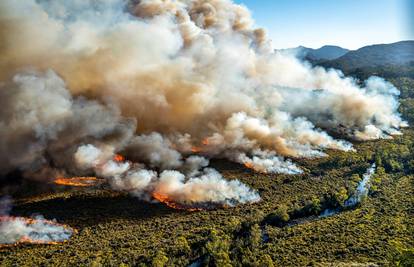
(169, 85)
(200, 186)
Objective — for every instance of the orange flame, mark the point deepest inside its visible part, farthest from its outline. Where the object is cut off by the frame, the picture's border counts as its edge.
(196, 149)
(30, 240)
(248, 165)
(119, 158)
(205, 142)
(163, 198)
(78, 181)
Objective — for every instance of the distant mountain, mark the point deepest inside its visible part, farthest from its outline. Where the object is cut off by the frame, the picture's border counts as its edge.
(395, 54)
(327, 52)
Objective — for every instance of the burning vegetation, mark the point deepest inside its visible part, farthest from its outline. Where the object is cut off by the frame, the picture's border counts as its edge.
(20, 230)
(119, 158)
(164, 103)
(78, 181)
(248, 165)
(170, 203)
(235, 99)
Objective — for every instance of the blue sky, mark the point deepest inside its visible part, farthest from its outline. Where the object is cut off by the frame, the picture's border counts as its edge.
(347, 23)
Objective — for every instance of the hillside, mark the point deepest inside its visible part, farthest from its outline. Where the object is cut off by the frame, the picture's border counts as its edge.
(395, 54)
(327, 52)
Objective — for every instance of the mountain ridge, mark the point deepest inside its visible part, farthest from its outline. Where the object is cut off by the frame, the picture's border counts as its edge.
(377, 55)
(326, 52)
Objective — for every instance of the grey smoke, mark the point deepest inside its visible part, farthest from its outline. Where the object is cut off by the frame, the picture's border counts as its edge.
(169, 84)
(18, 229)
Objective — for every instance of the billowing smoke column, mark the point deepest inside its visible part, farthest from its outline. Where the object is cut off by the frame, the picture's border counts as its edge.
(168, 84)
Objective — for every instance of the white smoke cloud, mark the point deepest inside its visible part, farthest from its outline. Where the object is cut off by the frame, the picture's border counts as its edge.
(206, 186)
(36, 230)
(199, 186)
(195, 75)
(32, 230)
(268, 162)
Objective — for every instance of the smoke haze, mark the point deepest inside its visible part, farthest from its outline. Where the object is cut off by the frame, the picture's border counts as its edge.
(168, 84)
(29, 230)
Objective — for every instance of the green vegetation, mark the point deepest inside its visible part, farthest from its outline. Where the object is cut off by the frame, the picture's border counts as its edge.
(116, 229)
(385, 60)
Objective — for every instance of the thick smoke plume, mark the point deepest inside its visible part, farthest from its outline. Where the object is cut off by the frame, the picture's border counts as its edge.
(169, 84)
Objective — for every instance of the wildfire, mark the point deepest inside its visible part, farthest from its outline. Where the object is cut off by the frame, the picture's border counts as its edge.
(248, 165)
(196, 149)
(119, 158)
(205, 142)
(167, 201)
(33, 231)
(78, 181)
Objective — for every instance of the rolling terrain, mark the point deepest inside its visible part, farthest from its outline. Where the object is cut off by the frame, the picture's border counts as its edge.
(395, 54)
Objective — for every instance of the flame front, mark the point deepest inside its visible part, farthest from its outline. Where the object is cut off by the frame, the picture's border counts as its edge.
(77, 181)
(248, 165)
(196, 149)
(119, 158)
(205, 142)
(36, 231)
(163, 198)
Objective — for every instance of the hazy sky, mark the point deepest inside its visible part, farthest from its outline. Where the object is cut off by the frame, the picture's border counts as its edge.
(347, 23)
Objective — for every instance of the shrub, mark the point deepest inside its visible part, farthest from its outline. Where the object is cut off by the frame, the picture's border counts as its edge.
(279, 217)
